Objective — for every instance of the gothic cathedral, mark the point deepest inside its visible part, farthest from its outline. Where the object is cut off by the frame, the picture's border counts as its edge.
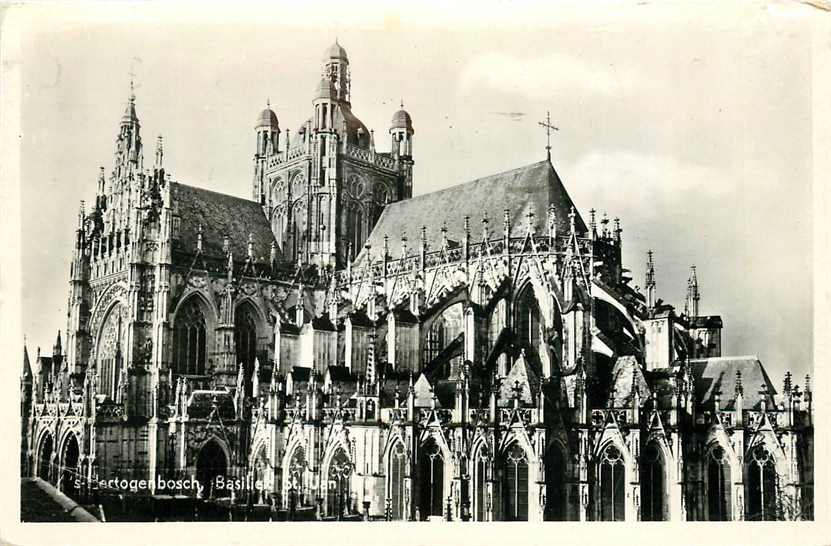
(336, 348)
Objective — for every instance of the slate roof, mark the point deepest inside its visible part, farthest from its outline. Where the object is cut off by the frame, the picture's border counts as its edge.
(531, 187)
(221, 215)
(719, 374)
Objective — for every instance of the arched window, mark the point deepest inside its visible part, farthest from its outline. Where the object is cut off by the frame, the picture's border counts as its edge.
(480, 470)
(497, 322)
(44, 457)
(189, 340)
(528, 320)
(653, 505)
(611, 485)
(69, 467)
(555, 491)
(718, 485)
(111, 352)
(761, 485)
(337, 491)
(431, 480)
(515, 484)
(245, 338)
(294, 485)
(211, 462)
(397, 472)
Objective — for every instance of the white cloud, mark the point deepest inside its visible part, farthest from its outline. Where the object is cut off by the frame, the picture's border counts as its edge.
(543, 77)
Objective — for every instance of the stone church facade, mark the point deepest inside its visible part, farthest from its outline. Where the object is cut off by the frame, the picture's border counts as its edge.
(477, 353)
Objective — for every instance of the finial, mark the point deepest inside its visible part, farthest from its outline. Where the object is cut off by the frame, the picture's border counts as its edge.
(402, 104)
(467, 225)
(424, 235)
(548, 128)
(788, 382)
(250, 246)
(593, 223)
(199, 238)
(226, 244)
(506, 222)
(739, 386)
(571, 216)
(530, 217)
(268, 103)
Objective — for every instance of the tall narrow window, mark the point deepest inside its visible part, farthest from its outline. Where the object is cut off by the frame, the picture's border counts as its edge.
(398, 471)
(515, 484)
(611, 487)
(444, 329)
(652, 483)
(481, 481)
(555, 473)
(245, 338)
(431, 480)
(718, 485)
(294, 485)
(496, 322)
(189, 343)
(111, 352)
(528, 320)
(761, 485)
(338, 491)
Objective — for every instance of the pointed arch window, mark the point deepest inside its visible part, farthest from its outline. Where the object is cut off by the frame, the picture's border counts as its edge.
(111, 352)
(431, 480)
(338, 491)
(652, 469)
(397, 473)
(497, 322)
(718, 485)
(444, 329)
(611, 485)
(528, 320)
(761, 485)
(481, 472)
(189, 340)
(294, 485)
(515, 484)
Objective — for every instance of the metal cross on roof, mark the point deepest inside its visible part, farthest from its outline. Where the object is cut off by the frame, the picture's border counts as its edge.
(548, 128)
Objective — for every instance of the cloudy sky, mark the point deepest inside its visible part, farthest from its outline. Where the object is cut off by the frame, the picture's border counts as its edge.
(697, 135)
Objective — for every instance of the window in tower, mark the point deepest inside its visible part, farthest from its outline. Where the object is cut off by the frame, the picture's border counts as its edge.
(611, 486)
(761, 485)
(652, 468)
(431, 480)
(718, 485)
(189, 339)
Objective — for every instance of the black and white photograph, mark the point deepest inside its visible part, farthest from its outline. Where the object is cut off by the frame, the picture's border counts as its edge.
(284, 265)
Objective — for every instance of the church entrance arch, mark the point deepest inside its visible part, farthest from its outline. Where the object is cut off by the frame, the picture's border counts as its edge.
(210, 463)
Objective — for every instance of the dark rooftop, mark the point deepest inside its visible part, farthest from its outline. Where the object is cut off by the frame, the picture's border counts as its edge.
(221, 215)
(532, 187)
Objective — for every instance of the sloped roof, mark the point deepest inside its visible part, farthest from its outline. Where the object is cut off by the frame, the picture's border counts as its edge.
(221, 215)
(531, 187)
(719, 374)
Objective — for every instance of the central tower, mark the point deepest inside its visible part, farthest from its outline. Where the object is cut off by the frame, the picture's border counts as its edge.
(324, 186)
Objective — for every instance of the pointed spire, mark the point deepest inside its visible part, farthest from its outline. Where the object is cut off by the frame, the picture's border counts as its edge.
(199, 238)
(27, 367)
(530, 220)
(255, 378)
(57, 349)
(159, 152)
(571, 217)
(250, 246)
(485, 231)
(593, 222)
(506, 223)
(788, 383)
(650, 280)
(226, 245)
(695, 295)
